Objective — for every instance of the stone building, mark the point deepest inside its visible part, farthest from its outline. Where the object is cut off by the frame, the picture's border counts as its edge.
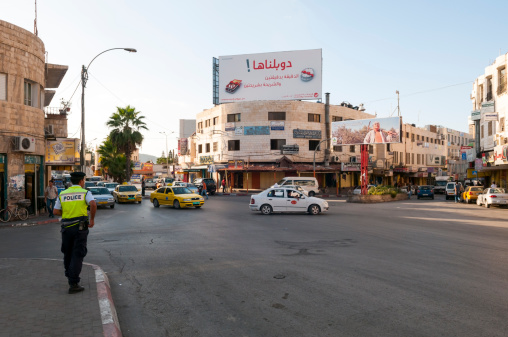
(489, 99)
(24, 81)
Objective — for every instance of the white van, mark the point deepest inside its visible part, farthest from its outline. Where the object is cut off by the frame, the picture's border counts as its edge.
(309, 184)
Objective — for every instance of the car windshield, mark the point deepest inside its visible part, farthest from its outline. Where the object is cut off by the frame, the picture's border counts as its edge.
(425, 187)
(441, 183)
(476, 189)
(181, 190)
(127, 189)
(101, 190)
(111, 185)
(496, 190)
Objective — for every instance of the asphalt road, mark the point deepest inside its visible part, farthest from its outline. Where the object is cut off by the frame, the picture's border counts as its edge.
(415, 268)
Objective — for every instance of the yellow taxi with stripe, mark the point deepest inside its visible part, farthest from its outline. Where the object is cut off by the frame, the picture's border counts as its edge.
(176, 196)
(126, 193)
(471, 194)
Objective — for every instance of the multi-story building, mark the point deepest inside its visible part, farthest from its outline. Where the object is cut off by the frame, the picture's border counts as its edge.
(489, 98)
(24, 81)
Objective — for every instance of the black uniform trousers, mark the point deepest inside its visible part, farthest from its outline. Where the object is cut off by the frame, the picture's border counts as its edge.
(74, 250)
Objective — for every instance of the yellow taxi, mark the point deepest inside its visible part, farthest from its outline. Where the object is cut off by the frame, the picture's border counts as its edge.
(471, 194)
(126, 193)
(177, 196)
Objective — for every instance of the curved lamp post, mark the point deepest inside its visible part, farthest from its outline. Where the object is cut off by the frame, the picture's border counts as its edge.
(84, 79)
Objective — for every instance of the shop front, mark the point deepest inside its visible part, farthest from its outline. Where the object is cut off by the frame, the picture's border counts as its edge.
(3, 181)
(34, 182)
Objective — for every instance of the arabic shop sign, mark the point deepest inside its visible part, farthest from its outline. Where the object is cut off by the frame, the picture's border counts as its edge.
(290, 149)
(206, 160)
(348, 167)
(256, 130)
(235, 164)
(487, 107)
(276, 126)
(32, 159)
(230, 127)
(290, 75)
(307, 134)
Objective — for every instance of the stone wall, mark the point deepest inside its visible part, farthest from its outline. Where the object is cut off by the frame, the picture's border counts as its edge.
(59, 122)
(369, 199)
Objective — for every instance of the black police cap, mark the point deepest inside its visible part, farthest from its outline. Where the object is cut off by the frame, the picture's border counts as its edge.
(78, 174)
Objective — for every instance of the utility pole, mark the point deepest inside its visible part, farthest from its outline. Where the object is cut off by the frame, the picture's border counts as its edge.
(398, 103)
(327, 129)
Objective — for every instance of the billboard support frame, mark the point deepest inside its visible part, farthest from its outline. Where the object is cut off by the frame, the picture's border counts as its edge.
(364, 148)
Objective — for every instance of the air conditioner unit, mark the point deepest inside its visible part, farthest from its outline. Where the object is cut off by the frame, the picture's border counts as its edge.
(24, 144)
(48, 130)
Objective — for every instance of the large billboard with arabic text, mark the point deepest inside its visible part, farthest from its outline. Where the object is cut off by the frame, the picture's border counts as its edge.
(366, 131)
(289, 75)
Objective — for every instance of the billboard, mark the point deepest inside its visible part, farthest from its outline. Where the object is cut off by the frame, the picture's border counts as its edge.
(366, 131)
(290, 75)
(62, 151)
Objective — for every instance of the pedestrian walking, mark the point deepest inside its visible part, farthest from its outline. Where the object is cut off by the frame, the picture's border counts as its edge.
(409, 191)
(203, 190)
(50, 195)
(457, 192)
(143, 186)
(223, 183)
(72, 205)
(493, 185)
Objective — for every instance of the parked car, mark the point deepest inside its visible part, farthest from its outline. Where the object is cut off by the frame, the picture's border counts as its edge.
(450, 190)
(189, 186)
(425, 191)
(126, 193)
(492, 196)
(89, 184)
(150, 183)
(211, 187)
(471, 193)
(358, 189)
(102, 196)
(178, 197)
(310, 184)
(111, 186)
(280, 199)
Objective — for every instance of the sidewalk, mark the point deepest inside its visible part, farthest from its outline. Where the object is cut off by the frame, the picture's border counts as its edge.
(31, 221)
(35, 301)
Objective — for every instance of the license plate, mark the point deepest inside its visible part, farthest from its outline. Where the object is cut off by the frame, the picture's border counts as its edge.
(103, 202)
(132, 198)
(425, 195)
(195, 203)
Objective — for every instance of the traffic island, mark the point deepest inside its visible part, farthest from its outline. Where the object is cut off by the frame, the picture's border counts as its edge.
(371, 198)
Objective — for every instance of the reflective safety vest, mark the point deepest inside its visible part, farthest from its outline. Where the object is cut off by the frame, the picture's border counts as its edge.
(73, 202)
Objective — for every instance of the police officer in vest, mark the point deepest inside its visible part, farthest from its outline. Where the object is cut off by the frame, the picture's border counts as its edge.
(72, 204)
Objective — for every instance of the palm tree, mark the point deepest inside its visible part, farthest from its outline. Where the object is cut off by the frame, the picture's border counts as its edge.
(126, 124)
(112, 161)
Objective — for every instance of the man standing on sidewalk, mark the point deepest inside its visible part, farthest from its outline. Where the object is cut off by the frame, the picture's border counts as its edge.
(50, 194)
(72, 204)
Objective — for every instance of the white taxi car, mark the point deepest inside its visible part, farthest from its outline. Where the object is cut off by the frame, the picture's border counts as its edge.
(279, 199)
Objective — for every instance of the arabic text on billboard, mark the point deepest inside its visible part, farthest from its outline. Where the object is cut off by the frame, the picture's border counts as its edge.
(366, 131)
(290, 75)
(61, 151)
(307, 134)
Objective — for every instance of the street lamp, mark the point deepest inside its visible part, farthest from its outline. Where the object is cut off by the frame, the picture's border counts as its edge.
(167, 154)
(84, 79)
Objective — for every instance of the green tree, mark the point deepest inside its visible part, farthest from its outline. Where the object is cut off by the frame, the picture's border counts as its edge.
(125, 135)
(112, 161)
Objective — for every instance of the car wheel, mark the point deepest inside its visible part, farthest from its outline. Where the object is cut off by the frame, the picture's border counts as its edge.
(176, 204)
(487, 205)
(112, 206)
(314, 209)
(139, 202)
(312, 193)
(266, 209)
(155, 203)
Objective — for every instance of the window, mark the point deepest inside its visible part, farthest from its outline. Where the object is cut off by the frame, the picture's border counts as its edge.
(371, 149)
(418, 159)
(215, 146)
(418, 137)
(427, 139)
(3, 87)
(407, 135)
(200, 125)
(207, 147)
(412, 158)
(501, 123)
(489, 88)
(315, 118)
(387, 147)
(207, 123)
(337, 148)
(501, 82)
(276, 144)
(313, 145)
(489, 128)
(482, 134)
(395, 157)
(200, 148)
(277, 115)
(28, 93)
(234, 118)
(480, 93)
(351, 148)
(432, 140)
(336, 119)
(233, 145)
(408, 157)
(215, 120)
(412, 137)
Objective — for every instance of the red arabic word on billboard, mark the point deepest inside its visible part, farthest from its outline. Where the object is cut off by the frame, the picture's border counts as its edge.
(291, 75)
(366, 131)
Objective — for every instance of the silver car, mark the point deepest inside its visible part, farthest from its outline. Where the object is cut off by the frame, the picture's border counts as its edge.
(492, 196)
(111, 186)
(102, 196)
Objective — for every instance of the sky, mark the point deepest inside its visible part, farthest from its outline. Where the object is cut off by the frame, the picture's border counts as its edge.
(430, 51)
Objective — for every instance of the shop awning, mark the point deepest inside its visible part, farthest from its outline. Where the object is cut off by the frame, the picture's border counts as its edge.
(494, 168)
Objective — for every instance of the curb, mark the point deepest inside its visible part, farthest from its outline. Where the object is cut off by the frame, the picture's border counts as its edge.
(29, 223)
(110, 324)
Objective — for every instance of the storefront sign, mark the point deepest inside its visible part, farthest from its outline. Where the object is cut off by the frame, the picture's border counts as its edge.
(206, 160)
(487, 107)
(476, 115)
(276, 126)
(490, 116)
(183, 146)
(401, 170)
(256, 130)
(235, 164)
(33, 159)
(2, 159)
(62, 151)
(307, 134)
(290, 149)
(239, 131)
(230, 127)
(500, 154)
(348, 167)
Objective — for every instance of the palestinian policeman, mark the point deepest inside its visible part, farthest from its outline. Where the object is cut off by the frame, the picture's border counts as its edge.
(72, 204)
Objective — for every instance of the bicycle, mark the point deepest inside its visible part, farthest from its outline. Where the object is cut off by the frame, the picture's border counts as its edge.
(20, 211)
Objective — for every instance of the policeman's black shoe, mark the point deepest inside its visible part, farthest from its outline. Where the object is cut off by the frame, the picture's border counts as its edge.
(75, 288)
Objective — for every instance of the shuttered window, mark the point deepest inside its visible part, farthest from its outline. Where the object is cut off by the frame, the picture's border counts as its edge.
(3, 87)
